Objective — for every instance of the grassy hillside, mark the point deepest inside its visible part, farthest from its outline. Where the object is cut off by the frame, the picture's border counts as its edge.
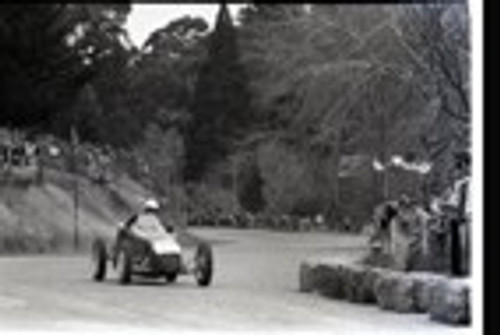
(40, 218)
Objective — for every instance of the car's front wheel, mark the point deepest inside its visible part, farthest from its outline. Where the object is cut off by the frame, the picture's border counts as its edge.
(124, 266)
(203, 265)
(99, 260)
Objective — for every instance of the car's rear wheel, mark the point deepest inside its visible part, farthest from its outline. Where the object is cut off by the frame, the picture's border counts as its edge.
(203, 265)
(99, 260)
(124, 266)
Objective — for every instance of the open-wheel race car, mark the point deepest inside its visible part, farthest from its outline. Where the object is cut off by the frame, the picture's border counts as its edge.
(151, 250)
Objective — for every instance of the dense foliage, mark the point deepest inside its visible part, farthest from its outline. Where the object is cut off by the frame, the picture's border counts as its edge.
(283, 113)
(220, 106)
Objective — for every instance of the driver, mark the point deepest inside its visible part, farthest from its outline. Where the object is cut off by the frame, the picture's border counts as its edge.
(145, 221)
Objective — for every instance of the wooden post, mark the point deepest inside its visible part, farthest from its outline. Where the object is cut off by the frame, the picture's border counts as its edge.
(74, 148)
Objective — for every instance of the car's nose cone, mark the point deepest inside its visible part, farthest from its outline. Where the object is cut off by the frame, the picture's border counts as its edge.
(165, 246)
(168, 263)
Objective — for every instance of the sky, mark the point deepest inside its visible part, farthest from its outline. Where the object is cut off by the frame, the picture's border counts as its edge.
(146, 18)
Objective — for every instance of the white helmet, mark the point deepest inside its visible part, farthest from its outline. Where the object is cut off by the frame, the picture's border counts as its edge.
(151, 204)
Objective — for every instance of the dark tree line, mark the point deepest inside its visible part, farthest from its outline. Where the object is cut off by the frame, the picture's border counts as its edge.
(64, 66)
(40, 74)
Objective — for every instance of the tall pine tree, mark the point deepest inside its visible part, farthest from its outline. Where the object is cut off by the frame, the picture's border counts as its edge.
(220, 107)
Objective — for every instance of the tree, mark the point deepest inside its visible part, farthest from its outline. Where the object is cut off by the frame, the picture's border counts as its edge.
(306, 76)
(162, 153)
(50, 55)
(219, 113)
(41, 74)
(439, 37)
(250, 185)
(163, 76)
(104, 46)
(351, 80)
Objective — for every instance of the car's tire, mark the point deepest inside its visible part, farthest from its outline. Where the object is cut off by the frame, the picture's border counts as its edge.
(124, 266)
(171, 277)
(203, 265)
(99, 257)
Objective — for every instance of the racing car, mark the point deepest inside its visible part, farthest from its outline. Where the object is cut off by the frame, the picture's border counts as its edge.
(154, 253)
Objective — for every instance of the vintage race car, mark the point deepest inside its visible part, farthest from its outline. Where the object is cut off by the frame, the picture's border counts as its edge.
(155, 252)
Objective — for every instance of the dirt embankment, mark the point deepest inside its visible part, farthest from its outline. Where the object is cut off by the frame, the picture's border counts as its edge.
(39, 218)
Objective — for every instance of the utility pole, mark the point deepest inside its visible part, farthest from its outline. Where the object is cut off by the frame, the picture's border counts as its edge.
(74, 148)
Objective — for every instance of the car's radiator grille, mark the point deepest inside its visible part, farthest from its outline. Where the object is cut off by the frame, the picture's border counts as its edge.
(167, 263)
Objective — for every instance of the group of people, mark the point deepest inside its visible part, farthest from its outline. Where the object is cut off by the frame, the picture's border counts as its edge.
(24, 154)
(433, 237)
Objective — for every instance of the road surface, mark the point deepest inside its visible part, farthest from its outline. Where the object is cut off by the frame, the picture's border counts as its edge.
(255, 289)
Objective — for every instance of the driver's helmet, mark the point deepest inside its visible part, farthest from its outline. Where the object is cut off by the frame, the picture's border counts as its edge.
(150, 205)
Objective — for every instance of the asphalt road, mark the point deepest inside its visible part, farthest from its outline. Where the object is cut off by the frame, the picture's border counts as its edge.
(255, 289)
